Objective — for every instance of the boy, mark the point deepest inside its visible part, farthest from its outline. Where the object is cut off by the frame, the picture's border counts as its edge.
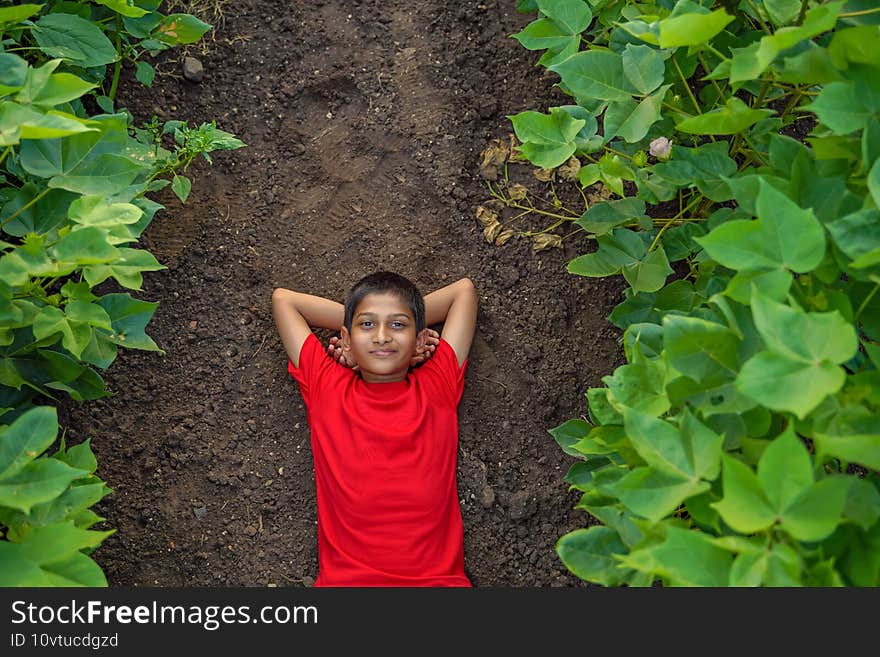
(384, 436)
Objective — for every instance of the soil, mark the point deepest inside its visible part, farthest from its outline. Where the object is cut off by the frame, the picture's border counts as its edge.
(364, 122)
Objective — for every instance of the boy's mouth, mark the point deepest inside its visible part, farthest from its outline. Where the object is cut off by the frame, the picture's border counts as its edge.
(382, 353)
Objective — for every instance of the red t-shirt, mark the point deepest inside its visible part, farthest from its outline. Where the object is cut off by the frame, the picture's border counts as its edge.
(384, 454)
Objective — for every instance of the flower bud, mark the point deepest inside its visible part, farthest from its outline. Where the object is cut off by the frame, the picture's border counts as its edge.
(661, 148)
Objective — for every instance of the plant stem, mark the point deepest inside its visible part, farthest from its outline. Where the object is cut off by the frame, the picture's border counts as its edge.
(850, 14)
(803, 12)
(866, 301)
(544, 212)
(118, 68)
(6, 152)
(764, 25)
(24, 207)
(677, 217)
(576, 230)
(686, 85)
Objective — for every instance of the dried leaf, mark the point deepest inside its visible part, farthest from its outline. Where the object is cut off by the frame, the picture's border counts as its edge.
(544, 175)
(486, 217)
(491, 231)
(493, 158)
(598, 193)
(569, 170)
(503, 237)
(546, 241)
(518, 192)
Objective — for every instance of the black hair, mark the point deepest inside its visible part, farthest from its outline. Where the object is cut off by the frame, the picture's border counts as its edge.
(382, 282)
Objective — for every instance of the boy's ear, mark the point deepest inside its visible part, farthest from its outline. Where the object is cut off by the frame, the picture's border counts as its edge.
(422, 338)
(345, 338)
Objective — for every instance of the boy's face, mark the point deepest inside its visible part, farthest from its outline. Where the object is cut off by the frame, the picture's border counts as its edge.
(383, 338)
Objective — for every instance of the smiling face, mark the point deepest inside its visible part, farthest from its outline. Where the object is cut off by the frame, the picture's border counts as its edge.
(383, 338)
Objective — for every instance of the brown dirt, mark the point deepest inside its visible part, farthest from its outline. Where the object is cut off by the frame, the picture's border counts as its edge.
(364, 123)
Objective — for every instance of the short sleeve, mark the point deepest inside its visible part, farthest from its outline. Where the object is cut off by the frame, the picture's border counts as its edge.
(443, 372)
(315, 367)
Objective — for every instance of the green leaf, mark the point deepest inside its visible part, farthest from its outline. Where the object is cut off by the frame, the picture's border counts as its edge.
(595, 74)
(816, 513)
(50, 556)
(601, 411)
(632, 121)
(692, 29)
(644, 68)
(144, 73)
(812, 338)
(87, 163)
(547, 140)
(75, 334)
(590, 554)
(569, 433)
(181, 185)
(857, 45)
(839, 107)
(66, 506)
(699, 349)
(772, 283)
(79, 456)
(785, 470)
(13, 72)
(86, 246)
(37, 482)
(54, 89)
(748, 63)
(130, 317)
(603, 217)
(690, 453)
(649, 336)
(640, 385)
(621, 247)
(180, 29)
(124, 7)
(73, 39)
(19, 122)
(543, 34)
(874, 182)
(783, 384)
(861, 448)
(649, 273)
(684, 558)
(767, 243)
(733, 118)
(96, 210)
(653, 494)
(126, 270)
(745, 506)
(26, 438)
(572, 16)
(19, 13)
(782, 12)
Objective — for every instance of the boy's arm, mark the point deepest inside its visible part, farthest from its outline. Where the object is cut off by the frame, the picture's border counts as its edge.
(456, 306)
(296, 312)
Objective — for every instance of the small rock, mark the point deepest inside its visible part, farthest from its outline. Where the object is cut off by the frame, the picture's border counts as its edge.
(522, 505)
(487, 498)
(308, 581)
(250, 530)
(200, 512)
(193, 69)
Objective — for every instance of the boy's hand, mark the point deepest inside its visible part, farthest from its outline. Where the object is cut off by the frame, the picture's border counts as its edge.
(432, 339)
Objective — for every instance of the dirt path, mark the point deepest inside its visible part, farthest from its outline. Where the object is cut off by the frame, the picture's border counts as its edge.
(364, 122)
